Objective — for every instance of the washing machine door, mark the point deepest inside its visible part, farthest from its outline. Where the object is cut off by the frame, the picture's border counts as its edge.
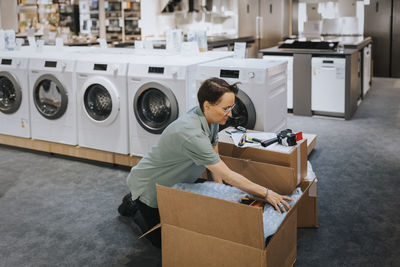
(10, 93)
(50, 97)
(243, 114)
(101, 101)
(155, 107)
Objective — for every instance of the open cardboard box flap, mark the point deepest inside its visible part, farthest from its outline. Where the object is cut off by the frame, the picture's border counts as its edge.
(281, 180)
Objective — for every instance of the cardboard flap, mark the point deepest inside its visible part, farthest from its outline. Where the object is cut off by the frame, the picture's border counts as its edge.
(305, 186)
(255, 154)
(277, 178)
(210, 216)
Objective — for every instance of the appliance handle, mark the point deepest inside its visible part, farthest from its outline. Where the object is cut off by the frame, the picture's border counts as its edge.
(328, 67)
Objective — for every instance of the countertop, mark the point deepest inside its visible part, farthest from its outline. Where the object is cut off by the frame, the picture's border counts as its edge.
(212, 41)
(351, 45)
(289, 52)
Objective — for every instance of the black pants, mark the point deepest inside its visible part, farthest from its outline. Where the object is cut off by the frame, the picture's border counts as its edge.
(151, 218)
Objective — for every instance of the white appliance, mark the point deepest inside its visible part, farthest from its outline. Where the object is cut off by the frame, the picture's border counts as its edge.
(289, 60)
(367, 69)
(160, 89)
(14, 96)
(328, 85)
(261, 100)
(102, 102)
(53, 97)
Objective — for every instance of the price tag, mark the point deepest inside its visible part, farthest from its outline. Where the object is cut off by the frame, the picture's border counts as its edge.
(121, 21)
(240, 50)
(105, 4)
(139, 45)
(190, 48)
(107, 22)
(124, 5)
(31, 41)
(148, 44)
(59, 42)
(102, 42)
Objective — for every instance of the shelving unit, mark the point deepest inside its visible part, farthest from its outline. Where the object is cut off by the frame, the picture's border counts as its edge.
(38, 13)
(122, 20)
(131, 20)
(48, 14)
(27, 15)
(69, 16)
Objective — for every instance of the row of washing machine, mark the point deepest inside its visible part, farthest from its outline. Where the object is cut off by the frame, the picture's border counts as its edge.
(118, 101)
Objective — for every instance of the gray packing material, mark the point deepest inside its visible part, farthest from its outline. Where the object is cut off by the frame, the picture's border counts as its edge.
(272, 219)
(310, 173)
(213, 189)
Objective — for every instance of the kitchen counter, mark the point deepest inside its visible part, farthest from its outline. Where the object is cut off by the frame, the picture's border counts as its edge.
(302, 74)
(221, 41)
(290, 52)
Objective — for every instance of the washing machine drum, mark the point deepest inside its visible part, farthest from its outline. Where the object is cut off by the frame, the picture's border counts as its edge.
(50, 97)
(155, 107)
(10, 93)
(243, 114)
(98, 102)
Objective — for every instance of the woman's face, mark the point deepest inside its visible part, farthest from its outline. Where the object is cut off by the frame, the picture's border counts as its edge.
(221, 110)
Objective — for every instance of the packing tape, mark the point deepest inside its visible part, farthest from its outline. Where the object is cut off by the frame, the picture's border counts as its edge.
(312, 192)
(298, 164)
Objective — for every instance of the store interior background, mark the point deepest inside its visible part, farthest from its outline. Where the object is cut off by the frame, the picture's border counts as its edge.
(221, 18)
(61, 211)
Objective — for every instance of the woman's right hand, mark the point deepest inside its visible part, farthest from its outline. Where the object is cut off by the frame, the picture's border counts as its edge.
(277, 200)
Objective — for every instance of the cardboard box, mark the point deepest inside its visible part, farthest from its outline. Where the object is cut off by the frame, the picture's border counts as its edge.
(307, 210)
(295, 157)
(282, 180)
(202, 231)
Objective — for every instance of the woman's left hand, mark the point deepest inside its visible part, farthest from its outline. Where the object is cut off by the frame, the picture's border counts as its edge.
(277, 201)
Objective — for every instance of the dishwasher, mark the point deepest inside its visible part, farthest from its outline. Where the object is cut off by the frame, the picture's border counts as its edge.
(328, 85)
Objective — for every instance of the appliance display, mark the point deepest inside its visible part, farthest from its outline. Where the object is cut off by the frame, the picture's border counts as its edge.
(14, 97)
(289, 60)
(160, 89)
(261, 101)
(328, 85)
(102, 102)
(53, 97)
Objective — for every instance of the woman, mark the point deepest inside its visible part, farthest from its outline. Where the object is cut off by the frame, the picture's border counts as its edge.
(186, 147)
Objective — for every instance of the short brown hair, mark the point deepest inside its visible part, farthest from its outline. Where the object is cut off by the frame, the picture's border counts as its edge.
(212, 89)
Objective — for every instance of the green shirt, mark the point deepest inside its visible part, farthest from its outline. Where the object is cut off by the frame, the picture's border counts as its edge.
(180, 155)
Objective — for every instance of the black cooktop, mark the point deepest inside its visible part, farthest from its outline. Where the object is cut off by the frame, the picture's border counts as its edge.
(309, 45)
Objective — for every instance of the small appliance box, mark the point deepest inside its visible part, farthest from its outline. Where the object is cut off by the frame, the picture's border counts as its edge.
(203, 231)
(293, 157)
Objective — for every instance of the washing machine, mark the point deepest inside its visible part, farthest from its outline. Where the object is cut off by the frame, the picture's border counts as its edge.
(103, 102)
(289, 60)
(52, 89)
(14, 96)
(260, 103)
(160, 89)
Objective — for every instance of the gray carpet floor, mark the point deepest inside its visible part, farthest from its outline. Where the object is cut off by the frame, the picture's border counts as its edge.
(59, 211)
